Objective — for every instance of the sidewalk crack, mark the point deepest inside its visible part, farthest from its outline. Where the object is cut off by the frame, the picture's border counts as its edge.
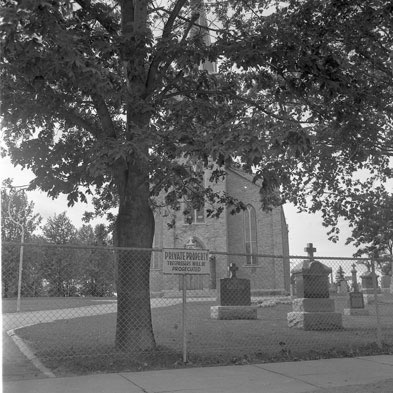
(288, 376)
(135, 384)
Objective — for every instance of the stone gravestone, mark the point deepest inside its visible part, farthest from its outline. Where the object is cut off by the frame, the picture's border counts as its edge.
(391, 285)
(386, 278)
(342, 288)
(312, 308)
(367, 283)
(368, 287)
(356, 300)
(234, 298)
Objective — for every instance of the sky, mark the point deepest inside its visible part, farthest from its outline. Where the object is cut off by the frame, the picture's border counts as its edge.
(303, 228)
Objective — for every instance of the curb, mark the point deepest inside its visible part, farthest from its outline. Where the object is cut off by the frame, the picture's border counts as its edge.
(25, 349)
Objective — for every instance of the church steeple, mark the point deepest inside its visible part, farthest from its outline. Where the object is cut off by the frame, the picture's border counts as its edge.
(202, 30)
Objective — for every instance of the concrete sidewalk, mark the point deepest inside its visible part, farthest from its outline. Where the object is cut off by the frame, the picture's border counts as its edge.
(370, 374)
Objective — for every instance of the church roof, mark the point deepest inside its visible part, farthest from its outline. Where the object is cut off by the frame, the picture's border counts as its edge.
(244, 175)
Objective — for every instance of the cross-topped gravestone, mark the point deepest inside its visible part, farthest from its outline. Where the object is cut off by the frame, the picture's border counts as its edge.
(356, 299)
(312, 307)
(232, 270)
(234, 291)
(234, 297)
(310, 249)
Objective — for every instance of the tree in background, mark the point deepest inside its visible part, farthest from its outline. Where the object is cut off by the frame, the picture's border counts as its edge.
(372, 228)
(61, 267)
(340, 275)
(105, 97)
(59, 229)
(97, 262)
(15, 203)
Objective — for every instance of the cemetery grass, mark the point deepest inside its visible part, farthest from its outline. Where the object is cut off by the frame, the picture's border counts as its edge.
(86, 345)
(52, 303)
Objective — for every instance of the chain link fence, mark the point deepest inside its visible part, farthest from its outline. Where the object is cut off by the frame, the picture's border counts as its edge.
(85, 308)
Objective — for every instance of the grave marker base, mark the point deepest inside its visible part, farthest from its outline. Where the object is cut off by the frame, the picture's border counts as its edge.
(313, 305)
(369, 298)
(233, 312)
(356, 312)
(315, 320)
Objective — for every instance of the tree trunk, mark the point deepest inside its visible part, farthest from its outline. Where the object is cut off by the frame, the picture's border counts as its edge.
(135, 228)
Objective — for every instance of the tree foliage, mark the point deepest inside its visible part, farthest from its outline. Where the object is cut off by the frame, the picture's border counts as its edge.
(105, 97)
(340, 275)
(17, 212)
(372, 226)
(60, 267)
(97, 263)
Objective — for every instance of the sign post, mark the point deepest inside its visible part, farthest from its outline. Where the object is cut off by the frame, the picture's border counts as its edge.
(184, 262)
(184, 318)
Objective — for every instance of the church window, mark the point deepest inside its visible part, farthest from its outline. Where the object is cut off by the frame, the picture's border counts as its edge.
(194, 216)
(195, 210)
(250, 235)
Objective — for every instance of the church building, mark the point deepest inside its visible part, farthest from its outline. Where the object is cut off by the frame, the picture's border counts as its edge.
(255, 240)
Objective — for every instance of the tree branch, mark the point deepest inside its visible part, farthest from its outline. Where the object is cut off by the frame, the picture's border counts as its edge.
(172, 17)
(79, 121)
(101, 16)
(104, 115)
(247, 101)
(152, 74)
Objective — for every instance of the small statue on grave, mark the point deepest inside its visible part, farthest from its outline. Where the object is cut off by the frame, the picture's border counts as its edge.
(232, 268)
(355, 285)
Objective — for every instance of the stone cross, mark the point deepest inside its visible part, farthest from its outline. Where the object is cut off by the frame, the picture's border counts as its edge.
(232, 270)
(310, 250)
(354, 279)
(191, 243)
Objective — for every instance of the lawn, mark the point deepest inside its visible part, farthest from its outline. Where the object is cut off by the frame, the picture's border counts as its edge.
(86, 345)
(52, 303)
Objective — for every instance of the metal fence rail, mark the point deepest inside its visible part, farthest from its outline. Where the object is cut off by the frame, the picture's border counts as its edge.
(71, 305)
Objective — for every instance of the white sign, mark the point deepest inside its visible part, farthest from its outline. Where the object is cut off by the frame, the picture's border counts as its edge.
(185, 261)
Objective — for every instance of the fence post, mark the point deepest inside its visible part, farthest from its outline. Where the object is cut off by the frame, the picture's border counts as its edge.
(20, 269)
(379, 331)
(184, 318)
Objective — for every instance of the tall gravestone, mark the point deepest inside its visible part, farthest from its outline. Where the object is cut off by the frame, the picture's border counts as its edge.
(369, 280)
(386, 277)
(312, 307)
(356, 299)
(234, 298)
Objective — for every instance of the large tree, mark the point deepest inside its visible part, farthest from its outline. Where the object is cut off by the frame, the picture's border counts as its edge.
(104, 97)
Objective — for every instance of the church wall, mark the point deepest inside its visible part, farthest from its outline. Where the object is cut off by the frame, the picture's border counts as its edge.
(270, 271)
(272, 239)
(285, 247)
(211, 235)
